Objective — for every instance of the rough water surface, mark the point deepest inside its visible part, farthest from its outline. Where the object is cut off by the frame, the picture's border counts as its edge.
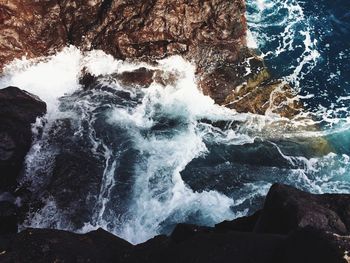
(138, 161)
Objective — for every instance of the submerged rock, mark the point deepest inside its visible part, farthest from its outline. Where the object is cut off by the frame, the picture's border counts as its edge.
(18, 110)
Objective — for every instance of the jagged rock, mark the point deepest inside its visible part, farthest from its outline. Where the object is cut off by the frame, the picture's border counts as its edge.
(276, 97)
(210, 33)
(221, 81)
(74, 185)
(125, 29)
(30, 28)
(210, 247)
(138, 78)
(18, 110)
(287, 209)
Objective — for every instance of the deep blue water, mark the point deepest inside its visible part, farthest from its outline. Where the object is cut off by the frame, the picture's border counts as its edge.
(327, 23)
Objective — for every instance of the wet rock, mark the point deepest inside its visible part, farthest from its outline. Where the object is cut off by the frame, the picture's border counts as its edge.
(210, 33)
(125, 29)
(222, 80)
(138, 78)
(30, 28)
(74, 186)
(141, 77)
(18, 110)
(287, 209)
(276, 97)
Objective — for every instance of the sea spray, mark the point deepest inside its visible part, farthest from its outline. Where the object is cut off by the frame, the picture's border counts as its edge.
(163, 155)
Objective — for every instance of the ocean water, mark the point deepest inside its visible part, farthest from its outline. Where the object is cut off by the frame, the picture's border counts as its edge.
(160, 156)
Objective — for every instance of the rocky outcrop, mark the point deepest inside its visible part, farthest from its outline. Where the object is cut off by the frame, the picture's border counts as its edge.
(287, 208)
(30, 28)
(211, 33)
(303, 238)
(18, 110)
(125, 29)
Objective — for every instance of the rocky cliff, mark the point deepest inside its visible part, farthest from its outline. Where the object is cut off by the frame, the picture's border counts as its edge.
(204, 31)
(210, 33)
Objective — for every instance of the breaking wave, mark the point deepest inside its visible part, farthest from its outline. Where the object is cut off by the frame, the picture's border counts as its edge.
(159, 156)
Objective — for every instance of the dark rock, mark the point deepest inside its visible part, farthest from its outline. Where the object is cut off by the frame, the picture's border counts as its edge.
(311, 245)
(210, 247)
(87, 80)
(184, 232)
(303, 245)
(191, 243)
(8, 218)
(242, 224)
(18, 110)
(74, 185)
(39, 245)
(71, 176)
(287, 209)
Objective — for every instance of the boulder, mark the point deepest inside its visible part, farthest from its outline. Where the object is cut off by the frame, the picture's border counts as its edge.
(18, 110)
(287, 208)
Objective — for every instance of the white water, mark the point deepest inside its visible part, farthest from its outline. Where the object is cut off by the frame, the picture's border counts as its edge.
(271, 13)
(159, 194)
(51, 78)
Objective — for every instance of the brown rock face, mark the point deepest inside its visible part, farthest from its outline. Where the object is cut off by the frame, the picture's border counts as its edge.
(31, 28)
(125, 29)
(211, 33)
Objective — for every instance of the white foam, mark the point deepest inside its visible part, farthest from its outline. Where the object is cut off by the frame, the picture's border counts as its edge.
(251, 42)
(288, 17)
(159, 193)
(169, 197)
(49, 78)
